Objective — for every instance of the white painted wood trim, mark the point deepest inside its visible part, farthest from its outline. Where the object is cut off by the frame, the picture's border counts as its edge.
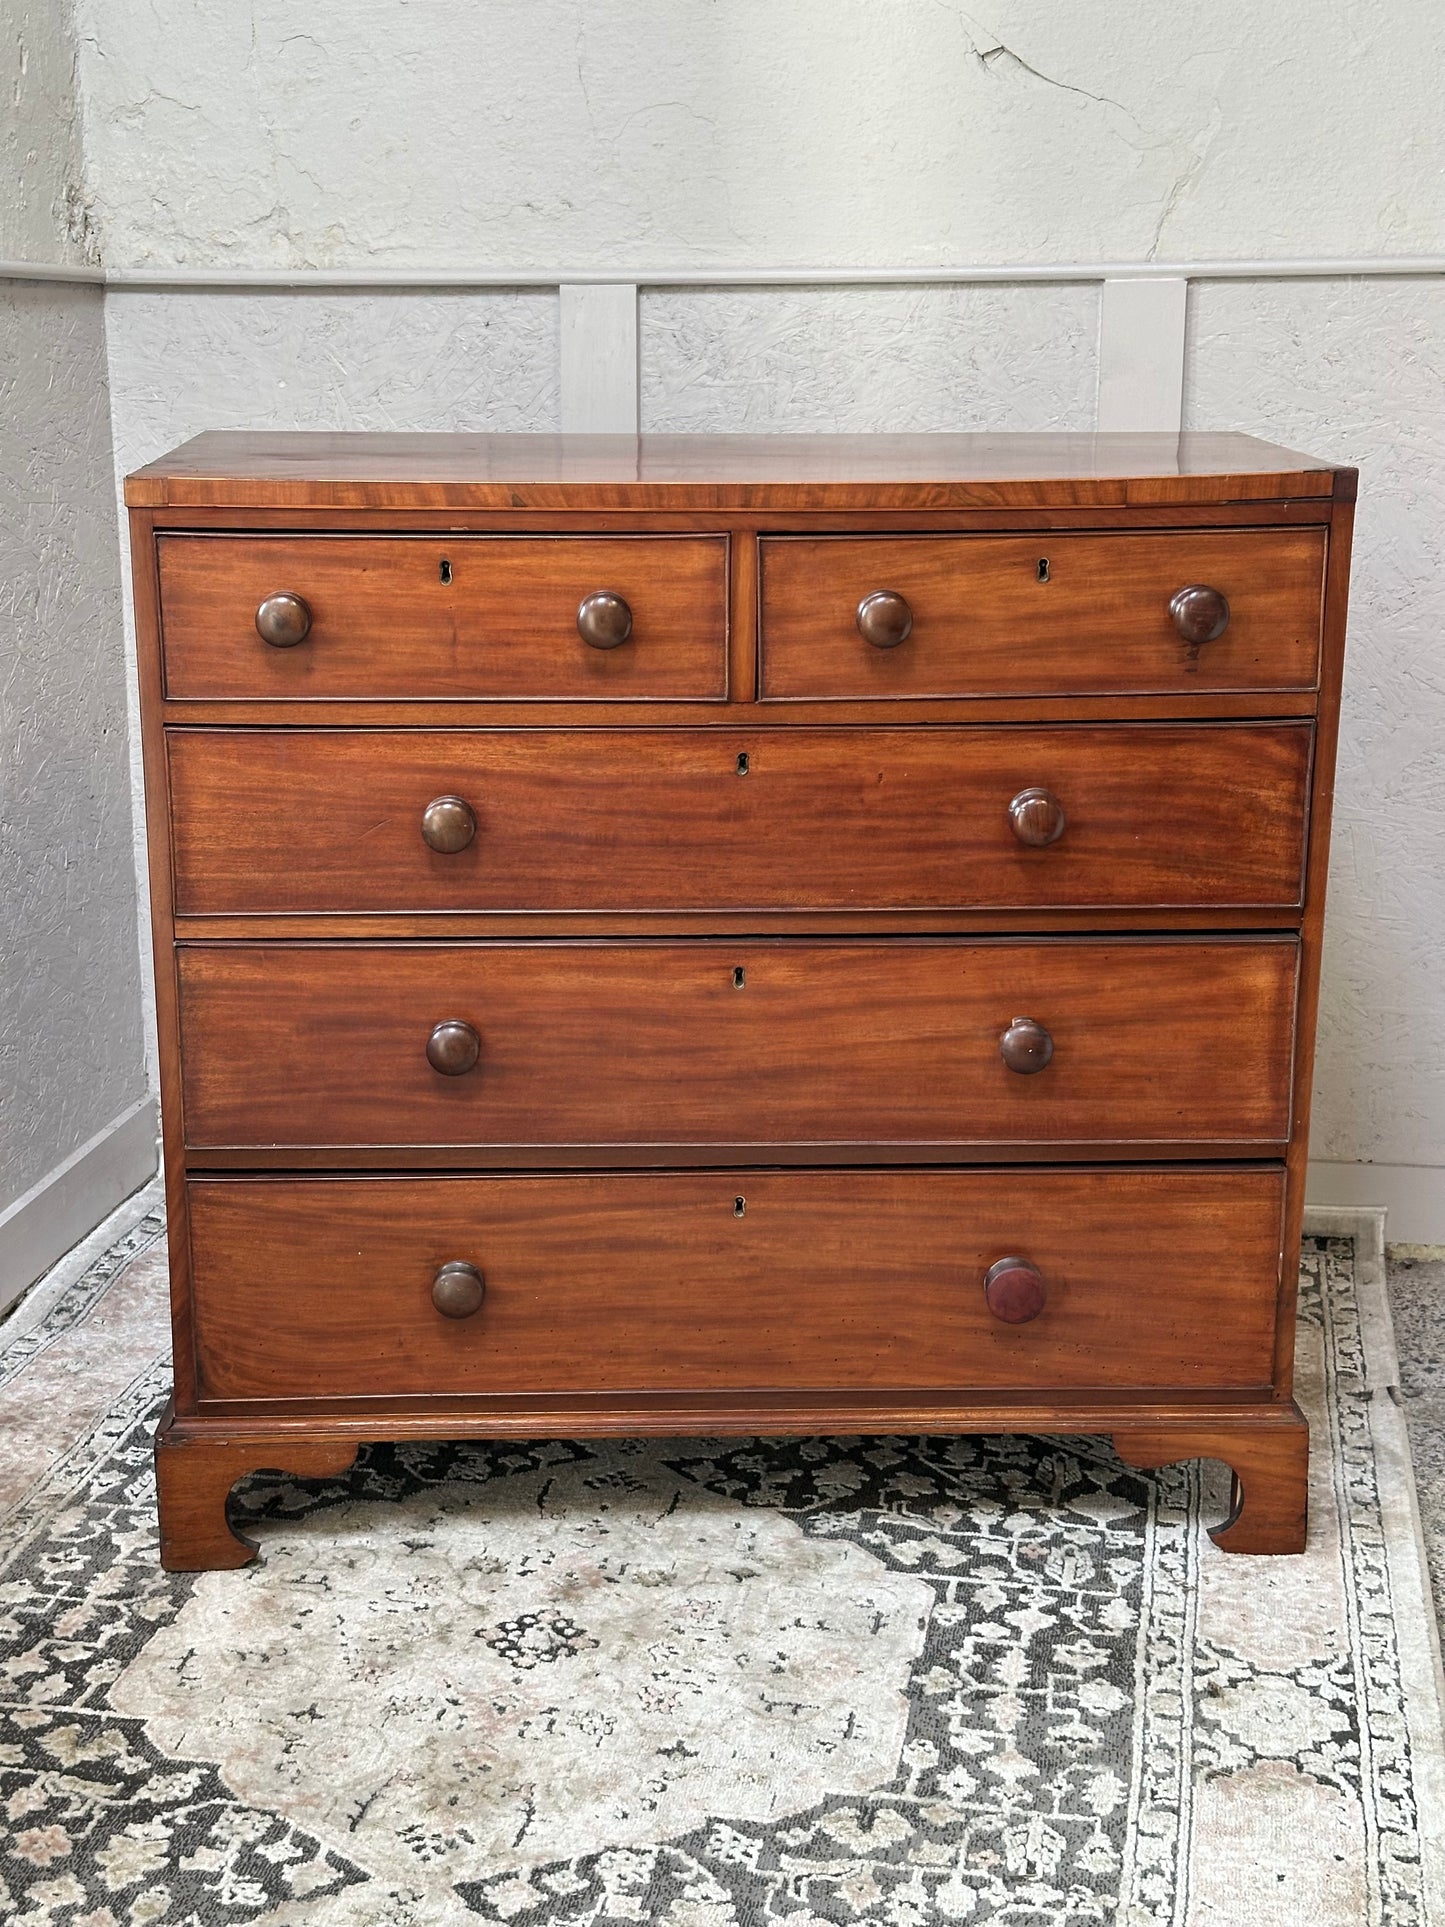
(1141, 355)
(47, 1292)
(43, 1224)
(49, 271)
(597, 333)
(1412, 1195)
(1325, 268)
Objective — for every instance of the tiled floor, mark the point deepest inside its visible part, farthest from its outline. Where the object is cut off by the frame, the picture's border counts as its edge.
(1416, 1276)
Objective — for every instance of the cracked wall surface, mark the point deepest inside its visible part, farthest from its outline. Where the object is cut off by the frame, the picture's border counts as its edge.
(599, 133)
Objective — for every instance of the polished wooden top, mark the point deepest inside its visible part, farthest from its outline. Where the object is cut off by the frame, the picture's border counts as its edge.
(725, 472)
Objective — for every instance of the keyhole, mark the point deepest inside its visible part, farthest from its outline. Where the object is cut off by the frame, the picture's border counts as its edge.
(740, 1207)
(1043, 568)
(740, 978)
(444, 570)
(743, 764)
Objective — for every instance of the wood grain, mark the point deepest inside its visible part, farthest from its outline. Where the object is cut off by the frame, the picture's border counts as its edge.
(145, 591)
(270, 822)
(846, 1042)
(862, 1279)
(1313, 922)
(867, 473)
(385, 624)
(984, 623)
(862, 1066)
(1269, 1506)
(195, 1475)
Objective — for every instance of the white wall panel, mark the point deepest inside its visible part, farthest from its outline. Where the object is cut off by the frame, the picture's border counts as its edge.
(597, 354)
(70, 1006)
(181, 362)
(854, 360)
(1141, 355)
(1355, 370)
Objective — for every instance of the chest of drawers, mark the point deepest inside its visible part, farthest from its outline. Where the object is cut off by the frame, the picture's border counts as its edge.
(735, 935)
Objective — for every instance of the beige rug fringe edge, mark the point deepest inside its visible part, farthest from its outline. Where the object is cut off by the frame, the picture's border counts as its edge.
(1404, 1535)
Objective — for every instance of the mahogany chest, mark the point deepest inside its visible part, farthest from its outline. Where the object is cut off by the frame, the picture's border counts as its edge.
(735, 935)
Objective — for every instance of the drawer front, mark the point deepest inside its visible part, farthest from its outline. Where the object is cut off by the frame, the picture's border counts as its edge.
(985, 621)
(826, 819)
(711, 1043)
(442, 617)
(323, 1288)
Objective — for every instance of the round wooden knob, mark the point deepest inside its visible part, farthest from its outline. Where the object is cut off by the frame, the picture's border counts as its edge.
(448, 824)
(453, 1048)
(604, 620)
(885, 619)
(458, 1290)
(283, 620)
(1200, 613)
(1025, 1046)
(1037, 817)
(1015, 1290)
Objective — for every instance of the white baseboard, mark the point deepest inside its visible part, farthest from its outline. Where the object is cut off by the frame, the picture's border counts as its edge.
(1412, 1194)
(71, 1200)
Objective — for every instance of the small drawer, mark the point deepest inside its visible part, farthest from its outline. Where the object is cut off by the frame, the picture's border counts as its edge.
(1046, 614)
(747, 1280)
(270, 822)
(664, 1050)
(574, 618)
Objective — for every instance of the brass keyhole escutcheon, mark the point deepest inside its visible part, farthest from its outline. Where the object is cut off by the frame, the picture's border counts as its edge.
(740, 1207)
(740, 978)
(1043, 568)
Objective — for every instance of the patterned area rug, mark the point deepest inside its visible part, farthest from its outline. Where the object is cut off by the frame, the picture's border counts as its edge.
(707, 1683)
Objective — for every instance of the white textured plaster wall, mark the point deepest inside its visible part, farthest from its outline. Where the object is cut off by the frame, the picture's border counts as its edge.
(180, 363)
(43, 210)
(1356, 370)
(70, 1007)
(471, 133)
(860, 360)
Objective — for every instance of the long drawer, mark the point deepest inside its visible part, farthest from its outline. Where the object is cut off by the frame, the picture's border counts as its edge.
(1146, 815)
(1040, 614)
(432, 616)
(316, 1289)
(748, 1042)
